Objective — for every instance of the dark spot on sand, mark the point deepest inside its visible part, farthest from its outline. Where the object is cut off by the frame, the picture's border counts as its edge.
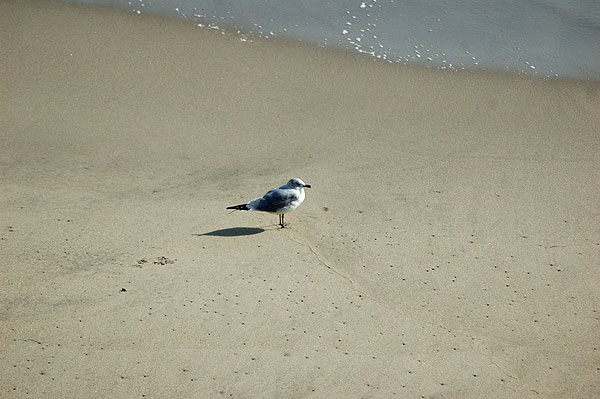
(162, 260)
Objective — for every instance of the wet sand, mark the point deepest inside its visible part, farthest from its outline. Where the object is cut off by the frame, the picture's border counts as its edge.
(449, 246)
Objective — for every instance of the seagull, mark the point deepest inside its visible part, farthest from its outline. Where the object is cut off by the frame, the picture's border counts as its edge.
(280, 200)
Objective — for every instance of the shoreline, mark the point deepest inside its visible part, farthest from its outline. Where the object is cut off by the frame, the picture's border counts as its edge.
(535, 64)
(249, 37)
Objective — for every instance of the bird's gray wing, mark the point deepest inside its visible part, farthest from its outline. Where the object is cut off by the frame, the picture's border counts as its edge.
(274, 200)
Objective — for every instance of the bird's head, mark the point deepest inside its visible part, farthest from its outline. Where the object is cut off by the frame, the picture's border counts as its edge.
(297, 183)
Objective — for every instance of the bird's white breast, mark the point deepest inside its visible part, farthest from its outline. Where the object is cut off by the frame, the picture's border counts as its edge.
(295, 203)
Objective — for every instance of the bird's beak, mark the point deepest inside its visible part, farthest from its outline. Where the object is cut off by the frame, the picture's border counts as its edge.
(307, 185)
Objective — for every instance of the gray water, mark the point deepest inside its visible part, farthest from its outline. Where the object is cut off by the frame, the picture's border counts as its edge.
(544, 38)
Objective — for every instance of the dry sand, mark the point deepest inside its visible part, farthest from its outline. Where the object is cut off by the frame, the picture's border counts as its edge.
(449, 247)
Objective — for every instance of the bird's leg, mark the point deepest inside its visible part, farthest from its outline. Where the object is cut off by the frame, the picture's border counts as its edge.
(281, 220)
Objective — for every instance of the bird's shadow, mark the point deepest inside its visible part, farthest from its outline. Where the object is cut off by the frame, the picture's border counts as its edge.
(233, 232)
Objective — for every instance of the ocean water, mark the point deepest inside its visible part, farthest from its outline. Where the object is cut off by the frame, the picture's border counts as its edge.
(544, 38)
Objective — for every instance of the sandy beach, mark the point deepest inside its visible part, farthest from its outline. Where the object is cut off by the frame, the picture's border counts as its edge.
(449, 246)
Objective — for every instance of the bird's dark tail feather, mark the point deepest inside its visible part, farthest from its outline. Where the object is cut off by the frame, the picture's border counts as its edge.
(241, 207)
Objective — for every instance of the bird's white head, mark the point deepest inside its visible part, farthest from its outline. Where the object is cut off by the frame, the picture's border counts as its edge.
(297, 183)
